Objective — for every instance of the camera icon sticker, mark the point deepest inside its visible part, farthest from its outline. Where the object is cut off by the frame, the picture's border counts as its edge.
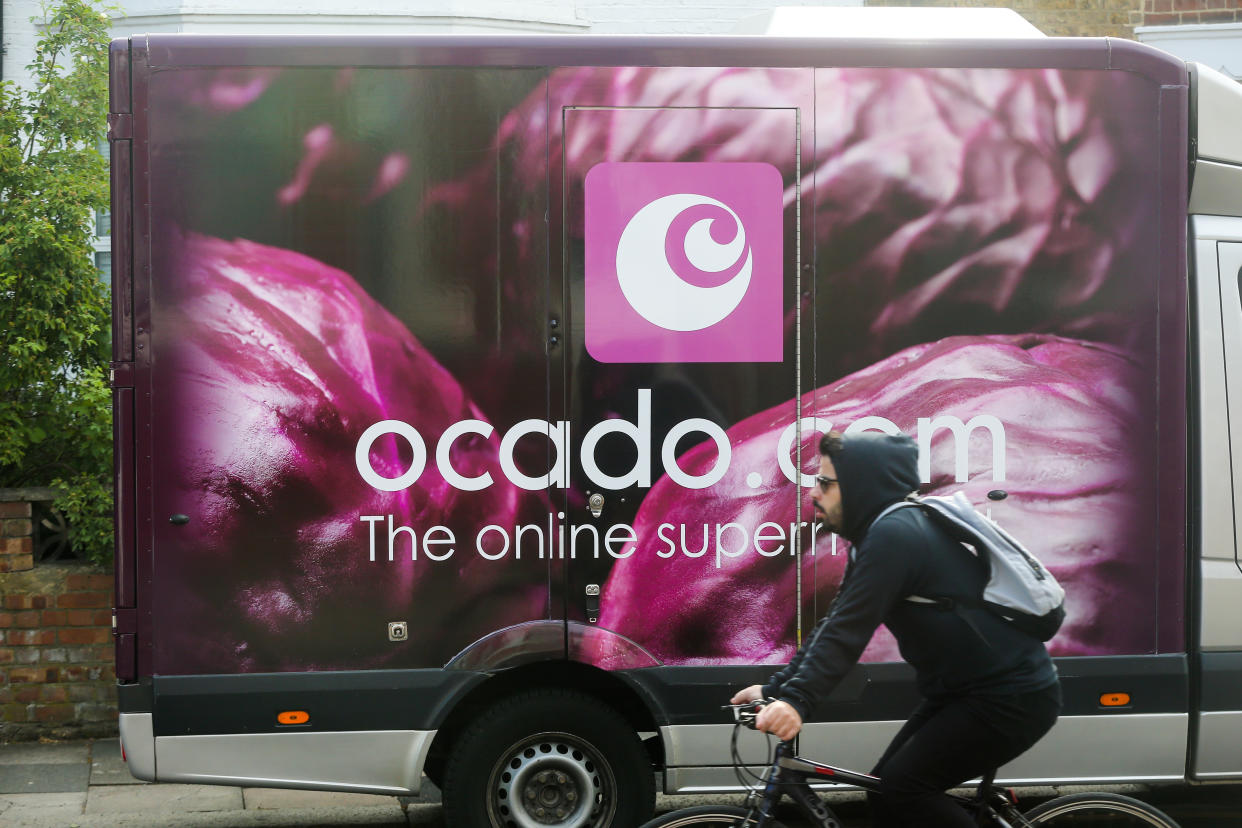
(683, 262)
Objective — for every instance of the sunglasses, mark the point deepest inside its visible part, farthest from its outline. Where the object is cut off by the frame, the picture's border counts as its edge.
(823, 481)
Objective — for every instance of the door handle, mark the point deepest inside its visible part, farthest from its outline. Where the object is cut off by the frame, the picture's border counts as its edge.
(592, 603)
(595, 504)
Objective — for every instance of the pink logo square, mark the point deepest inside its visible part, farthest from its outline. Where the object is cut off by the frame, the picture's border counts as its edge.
(683, 262)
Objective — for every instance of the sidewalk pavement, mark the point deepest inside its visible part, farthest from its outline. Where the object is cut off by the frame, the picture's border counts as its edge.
(86, 785)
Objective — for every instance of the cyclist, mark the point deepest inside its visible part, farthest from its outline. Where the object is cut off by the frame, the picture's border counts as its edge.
(990, 690)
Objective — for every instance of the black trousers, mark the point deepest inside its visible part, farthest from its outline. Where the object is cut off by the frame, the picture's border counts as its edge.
(949, 742)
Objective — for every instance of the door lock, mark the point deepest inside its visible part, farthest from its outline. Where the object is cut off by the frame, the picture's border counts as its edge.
(595, 504)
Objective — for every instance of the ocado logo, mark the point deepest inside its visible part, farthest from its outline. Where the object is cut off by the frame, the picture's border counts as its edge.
(651, 283)
(682, 262)
(639, 434)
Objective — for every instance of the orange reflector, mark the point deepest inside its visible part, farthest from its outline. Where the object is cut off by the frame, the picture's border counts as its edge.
(1114, 699)
(293, 717)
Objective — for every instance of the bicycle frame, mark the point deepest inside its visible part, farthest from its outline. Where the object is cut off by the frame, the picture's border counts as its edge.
(791, 775)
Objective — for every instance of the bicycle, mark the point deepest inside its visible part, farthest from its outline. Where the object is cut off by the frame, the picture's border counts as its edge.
(790, 775)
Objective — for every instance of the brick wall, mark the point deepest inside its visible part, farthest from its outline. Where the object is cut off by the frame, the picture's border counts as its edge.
(1060, 18)
(16, 528)
(1178, 12)
(56, 653)
(1100, 18)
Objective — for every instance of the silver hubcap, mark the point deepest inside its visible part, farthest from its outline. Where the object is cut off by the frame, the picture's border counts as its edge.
(551, 779)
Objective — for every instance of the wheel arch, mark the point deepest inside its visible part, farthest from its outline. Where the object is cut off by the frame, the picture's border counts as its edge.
(615, 689)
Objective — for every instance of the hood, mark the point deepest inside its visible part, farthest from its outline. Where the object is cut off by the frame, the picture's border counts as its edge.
(874, 471)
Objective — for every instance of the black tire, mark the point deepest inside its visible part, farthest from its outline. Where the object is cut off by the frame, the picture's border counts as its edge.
(705, 816)
(1098, 810)
(558, 751)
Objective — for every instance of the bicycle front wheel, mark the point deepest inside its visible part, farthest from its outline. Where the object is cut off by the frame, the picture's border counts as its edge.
(705, 816)
(1098, 810)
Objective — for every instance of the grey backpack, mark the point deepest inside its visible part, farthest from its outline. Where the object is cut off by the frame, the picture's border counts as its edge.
(1019, 588)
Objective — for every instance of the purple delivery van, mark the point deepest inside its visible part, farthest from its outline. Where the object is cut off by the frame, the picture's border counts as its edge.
(468, 392)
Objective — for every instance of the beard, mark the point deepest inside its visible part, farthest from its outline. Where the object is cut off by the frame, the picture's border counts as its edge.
(833, 522)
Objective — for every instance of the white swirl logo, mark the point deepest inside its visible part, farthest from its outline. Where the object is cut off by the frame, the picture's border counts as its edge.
(651, 283)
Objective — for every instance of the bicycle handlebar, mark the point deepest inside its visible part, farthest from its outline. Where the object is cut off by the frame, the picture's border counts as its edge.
(746, 713)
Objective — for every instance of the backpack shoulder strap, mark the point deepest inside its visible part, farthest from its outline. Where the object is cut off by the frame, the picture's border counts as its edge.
(909, 501)
(942, 517)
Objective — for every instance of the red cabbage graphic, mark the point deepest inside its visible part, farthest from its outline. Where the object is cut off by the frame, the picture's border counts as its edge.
(1010, 199)
(225, 90)
(1074, 448)
(941, 202)
(280, 364)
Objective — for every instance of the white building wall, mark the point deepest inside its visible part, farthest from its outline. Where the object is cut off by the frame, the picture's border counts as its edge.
(680, 16)
(20, 36)
(352, 16)
(412, 16)
(1218, 45)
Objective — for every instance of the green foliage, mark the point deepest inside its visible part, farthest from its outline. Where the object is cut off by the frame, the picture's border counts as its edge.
(55, 405)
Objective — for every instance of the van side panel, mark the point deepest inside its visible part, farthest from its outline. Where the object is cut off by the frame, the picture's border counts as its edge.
(457, 357)
(454, 489)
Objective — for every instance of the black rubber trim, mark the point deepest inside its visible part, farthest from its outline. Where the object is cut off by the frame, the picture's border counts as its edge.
(886, 692)
(1221, 682)
(420, 699)
(339, 701)
(1155, 684)
(135, 697)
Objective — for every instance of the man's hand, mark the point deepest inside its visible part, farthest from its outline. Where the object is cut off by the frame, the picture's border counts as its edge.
(780, 719)
(750, 694)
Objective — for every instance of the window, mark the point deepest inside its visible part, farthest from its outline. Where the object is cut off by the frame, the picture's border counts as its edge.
(103, 261)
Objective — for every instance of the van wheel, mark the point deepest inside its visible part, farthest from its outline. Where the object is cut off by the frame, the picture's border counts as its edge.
(548, 758)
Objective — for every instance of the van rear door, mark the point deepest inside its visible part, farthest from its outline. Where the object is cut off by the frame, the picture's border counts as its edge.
(1219, 721)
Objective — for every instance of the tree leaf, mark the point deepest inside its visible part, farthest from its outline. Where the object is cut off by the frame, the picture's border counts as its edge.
(55, 405)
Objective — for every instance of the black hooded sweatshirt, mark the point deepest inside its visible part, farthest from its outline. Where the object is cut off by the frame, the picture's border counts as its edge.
(954, 653)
